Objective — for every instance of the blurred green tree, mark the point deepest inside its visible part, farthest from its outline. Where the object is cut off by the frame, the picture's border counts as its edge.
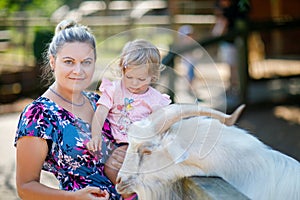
(33, 7)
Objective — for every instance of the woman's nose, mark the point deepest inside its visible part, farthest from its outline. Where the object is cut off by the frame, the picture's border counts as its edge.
(77, 68)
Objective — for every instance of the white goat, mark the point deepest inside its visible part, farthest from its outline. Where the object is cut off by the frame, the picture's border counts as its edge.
(164, 148)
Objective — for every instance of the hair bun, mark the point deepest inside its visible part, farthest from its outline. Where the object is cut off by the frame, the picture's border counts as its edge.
(65, 24)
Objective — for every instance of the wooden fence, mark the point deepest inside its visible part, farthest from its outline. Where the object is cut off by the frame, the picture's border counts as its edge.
(209, 188)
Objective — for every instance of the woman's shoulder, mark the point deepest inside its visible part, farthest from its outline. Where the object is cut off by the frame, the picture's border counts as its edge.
(40, 109)
(41, 103)
(38, 119)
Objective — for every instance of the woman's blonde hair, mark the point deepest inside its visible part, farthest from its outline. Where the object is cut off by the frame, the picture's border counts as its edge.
(67, 31)
(141, 52)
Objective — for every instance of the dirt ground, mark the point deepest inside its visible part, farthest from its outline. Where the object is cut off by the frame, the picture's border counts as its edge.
(267, 123)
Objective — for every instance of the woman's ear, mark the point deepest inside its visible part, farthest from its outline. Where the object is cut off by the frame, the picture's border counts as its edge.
(52, 62)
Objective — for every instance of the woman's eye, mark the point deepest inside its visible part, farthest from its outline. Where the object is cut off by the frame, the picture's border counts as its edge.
(86, 63)
(142, 79)
(68, 62)
(128, 77)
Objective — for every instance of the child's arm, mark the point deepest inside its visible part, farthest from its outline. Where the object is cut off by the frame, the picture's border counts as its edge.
(98, 120)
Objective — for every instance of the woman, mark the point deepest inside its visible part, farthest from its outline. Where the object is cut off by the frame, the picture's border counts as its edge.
(53, 130)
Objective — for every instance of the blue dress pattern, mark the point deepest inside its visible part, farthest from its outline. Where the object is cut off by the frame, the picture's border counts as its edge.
(66, 135)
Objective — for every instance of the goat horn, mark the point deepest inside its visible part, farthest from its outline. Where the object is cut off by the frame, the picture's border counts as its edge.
(164, 118)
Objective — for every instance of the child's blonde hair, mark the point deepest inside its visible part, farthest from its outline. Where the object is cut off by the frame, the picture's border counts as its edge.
(141, 52)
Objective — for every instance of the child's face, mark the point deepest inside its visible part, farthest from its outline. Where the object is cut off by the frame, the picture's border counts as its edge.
(137, 79)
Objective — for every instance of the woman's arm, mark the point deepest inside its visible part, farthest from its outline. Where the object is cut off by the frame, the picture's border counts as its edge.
(114, 163)
(31, 154)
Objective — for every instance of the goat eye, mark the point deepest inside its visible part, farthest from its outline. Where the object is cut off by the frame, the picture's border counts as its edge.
(146, 151)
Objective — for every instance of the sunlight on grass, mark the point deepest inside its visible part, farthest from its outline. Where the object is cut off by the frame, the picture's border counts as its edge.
(288, 113)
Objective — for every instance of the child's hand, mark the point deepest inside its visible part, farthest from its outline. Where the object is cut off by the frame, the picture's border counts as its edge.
(95, 143)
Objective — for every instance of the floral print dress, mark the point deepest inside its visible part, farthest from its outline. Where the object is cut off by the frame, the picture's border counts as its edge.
(66, 135)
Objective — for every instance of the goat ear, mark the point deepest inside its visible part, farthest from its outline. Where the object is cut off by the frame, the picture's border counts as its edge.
(177, 152)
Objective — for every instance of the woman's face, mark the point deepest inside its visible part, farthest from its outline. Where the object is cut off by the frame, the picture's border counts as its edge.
(137, 79)
(74, 66)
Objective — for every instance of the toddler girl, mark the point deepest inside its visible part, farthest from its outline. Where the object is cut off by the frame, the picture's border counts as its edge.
(132, 98)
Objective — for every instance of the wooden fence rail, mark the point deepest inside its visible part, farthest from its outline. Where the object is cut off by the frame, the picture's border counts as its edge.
(209, 188)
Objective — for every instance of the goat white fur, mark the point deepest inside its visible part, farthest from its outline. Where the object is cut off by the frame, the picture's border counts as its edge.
(205, 147)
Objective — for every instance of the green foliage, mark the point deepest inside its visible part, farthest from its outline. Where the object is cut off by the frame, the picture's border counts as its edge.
(3, 4)
(46, 7)
(41, 40)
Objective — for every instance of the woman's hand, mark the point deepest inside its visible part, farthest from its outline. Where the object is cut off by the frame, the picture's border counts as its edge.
(91, 193)
(114, 163)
